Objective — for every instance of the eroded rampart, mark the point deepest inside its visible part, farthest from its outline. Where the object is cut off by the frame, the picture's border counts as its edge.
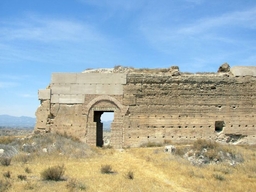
(159, 105)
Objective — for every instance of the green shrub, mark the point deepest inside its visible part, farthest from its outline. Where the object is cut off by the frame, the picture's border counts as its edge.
(106, 169)
(53, 173)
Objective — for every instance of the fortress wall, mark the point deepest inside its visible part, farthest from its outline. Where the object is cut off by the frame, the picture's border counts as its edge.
(150, 107)
(179, 109)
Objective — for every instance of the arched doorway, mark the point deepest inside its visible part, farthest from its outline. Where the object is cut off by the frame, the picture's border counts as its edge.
(94, 127)
(100, 132)
(107, 119)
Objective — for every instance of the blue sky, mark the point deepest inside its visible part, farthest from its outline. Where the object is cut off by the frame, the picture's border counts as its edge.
(39, 37)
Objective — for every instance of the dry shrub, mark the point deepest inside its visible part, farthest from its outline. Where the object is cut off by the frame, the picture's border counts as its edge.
(30, 185)
(22, 177)
(68, 136)
(5, 161)
(212, 154)
(7, 139)
(107, 147)
(54, 143)
(201, 144)
(223, 169)
(4, 185)
(106, 169)
(54, 173)
(151, 144)
(180, 151)
(24, 158)
(27, 170)
(195, 174)
(232, 153)
(71, 185)
(74, 185)
(130, 175)
(7, 174)
(168, 142)
(219, 177)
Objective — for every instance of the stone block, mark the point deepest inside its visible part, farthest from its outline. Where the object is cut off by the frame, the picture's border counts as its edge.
(109, 89)
(44, 94)
(243, 71)
(82, 88)
(98, 78)
(67, 99)
(55, 98)
(64, 78)
(61, 89)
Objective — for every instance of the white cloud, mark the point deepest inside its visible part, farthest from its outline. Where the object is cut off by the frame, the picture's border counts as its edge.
(58, 41)
(166, 37)
(47, 30)
(245, 19)
(7, 84)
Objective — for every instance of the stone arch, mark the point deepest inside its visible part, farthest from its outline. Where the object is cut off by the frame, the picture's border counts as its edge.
(107, 98)
(94, 128)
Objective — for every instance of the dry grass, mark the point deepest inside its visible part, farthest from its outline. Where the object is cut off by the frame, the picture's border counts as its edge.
(136, 169)
(6, 139)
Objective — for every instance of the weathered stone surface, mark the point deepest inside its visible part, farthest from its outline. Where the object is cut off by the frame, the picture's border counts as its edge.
(44, 94)
(152, 106)
(224, 68)
(244, 71)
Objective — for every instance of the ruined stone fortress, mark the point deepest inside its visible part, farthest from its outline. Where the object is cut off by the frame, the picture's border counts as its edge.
(151, 105)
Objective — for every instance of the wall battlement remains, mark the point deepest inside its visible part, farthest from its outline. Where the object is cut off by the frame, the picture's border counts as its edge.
(151, 105)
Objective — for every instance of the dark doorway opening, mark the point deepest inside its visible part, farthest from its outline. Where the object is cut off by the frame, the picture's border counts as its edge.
(103, 121)
(219, 125)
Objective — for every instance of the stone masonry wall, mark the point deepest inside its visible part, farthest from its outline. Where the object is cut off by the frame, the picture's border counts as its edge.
(185, 108)
(167, 106)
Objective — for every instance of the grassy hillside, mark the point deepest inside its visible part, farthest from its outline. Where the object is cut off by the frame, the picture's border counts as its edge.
(105, 169)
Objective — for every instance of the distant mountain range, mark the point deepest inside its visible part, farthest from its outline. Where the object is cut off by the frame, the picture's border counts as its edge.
(17, 122)
(28, 122)
(106, 125)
